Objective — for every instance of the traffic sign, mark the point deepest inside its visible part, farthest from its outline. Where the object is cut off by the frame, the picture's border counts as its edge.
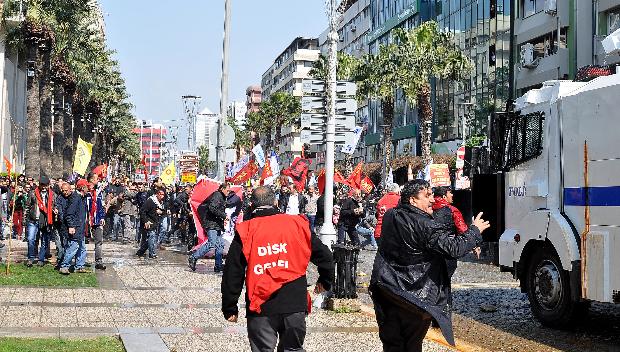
(228, 138)
(318, 87)
(318, 137)
(318, 121)
(318, 104)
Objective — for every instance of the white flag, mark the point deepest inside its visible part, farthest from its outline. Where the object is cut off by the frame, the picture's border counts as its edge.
(390, 177)
(273, 163)
(349, 148)
(259, 154)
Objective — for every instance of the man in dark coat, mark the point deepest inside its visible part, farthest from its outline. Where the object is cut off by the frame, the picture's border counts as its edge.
(212, 213)
(351, 212)
(410, 284)
(150, 218)
(74, 220)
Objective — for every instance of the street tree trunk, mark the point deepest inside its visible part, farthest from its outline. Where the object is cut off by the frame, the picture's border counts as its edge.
(33, 115)
(59, 131)
(68, 128)
(387, 108)
(45, 96)
(426, 119)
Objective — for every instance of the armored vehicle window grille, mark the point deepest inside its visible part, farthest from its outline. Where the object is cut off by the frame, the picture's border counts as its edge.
(515, 139)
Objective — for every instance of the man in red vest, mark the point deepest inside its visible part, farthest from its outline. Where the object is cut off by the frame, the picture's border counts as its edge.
(270, 253)
(388, 201)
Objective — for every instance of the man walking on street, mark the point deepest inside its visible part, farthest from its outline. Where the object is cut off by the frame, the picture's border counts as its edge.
(40, 217)
(96, 215)
(150, 218)
(410, 284)
(74, 221)
(270, 253)
(311, 206)
(212, 214)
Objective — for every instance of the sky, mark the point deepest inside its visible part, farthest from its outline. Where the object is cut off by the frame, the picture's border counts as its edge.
(174, 48)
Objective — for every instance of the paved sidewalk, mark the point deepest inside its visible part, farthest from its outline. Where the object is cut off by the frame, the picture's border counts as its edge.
(163, 297)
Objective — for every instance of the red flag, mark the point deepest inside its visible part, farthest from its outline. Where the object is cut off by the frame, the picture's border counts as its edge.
(338, 178)
(9, 166)
(203, 189)
(267, 172)
(355, 179)
(366, 185)
(244, 174)
(320, 182)
(101, 170)
(143, 162)
(298, 172)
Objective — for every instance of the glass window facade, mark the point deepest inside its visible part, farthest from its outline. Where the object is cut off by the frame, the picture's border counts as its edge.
(481, 29)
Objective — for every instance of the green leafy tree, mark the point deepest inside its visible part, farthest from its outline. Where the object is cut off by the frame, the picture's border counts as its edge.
(408, 63)
(423, 53)
(345, 67)
(279, 110)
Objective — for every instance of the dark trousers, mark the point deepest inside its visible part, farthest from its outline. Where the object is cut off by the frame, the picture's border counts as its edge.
(348, 231)
(400, 329)
(263, 332)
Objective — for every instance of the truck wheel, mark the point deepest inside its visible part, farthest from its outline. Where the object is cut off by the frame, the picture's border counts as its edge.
(549, 291)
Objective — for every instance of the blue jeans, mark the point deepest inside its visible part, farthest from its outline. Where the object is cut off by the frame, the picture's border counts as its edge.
(370, 234)
(33, 230)
(311, 218)
(216, 241)
(117, 226)
(148, 241)
(61, 243)
(75, 248)
(162, 233)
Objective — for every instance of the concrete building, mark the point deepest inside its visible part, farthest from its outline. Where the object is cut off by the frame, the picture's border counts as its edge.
(12, 101)
(205, 120)
(152, 144)
(553, 39)
(238, 110)
(253, 98)
(286, 74)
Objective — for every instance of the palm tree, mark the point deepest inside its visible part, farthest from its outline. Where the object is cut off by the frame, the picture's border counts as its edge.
(345, 68)
(408, 63)
(426, 52)
(279, 110)
(377, 78)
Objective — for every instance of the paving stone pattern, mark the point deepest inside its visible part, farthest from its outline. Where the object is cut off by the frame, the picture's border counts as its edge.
(160, 297)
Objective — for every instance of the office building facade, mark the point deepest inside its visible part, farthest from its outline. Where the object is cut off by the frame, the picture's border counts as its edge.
(237, 110)
(286, 74)
(205, 121)
(253, 100)
(152, 144)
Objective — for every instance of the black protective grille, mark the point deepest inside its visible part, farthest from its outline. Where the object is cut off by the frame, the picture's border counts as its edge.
(515, 139)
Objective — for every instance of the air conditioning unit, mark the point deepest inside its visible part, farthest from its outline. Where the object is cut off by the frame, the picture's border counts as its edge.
(527, 56)
(551, 7)
(353, 28)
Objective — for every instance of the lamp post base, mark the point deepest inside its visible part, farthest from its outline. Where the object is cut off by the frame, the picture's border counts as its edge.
(328, 235)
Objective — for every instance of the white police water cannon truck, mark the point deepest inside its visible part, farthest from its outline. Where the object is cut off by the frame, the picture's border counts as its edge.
(560, 157)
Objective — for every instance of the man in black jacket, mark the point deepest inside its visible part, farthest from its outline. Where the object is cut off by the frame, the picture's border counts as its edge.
(290, 201)
(150, 217)
(212, 213)
(282, 312)
(410, 284)
(351, 212)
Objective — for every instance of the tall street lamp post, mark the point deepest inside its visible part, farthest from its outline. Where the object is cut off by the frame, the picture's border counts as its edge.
(220, 149)
(334, 12)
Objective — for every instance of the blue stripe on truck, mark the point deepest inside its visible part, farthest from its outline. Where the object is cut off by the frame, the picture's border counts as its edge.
(597, 196)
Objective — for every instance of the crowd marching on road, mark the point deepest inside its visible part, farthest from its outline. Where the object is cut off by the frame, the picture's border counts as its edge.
(274, 234)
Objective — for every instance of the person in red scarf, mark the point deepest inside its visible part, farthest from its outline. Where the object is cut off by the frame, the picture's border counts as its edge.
(270, 253)
(448, 216)
(40, 220)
